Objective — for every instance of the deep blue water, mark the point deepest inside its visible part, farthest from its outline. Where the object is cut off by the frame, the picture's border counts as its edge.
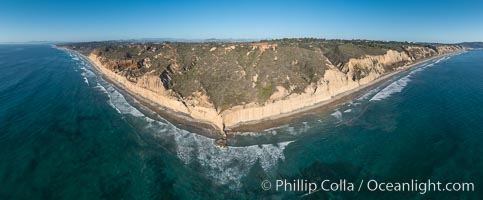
(65, 133)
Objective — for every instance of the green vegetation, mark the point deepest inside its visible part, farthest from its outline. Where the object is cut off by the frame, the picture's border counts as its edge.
(265, 92)
(232, 73)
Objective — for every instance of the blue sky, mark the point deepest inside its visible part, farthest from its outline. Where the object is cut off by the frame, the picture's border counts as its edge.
(404, 20)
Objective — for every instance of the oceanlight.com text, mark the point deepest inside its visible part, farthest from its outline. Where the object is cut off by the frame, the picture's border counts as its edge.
(343, 185)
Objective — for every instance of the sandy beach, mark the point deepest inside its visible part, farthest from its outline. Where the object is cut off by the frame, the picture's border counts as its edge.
(177, 118)
(208, 129)
(324, 105)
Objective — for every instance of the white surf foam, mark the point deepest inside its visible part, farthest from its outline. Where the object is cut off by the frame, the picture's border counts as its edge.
(86, 81)
(283, 129)
(367, 95)
(392, 88)
(399, 85)
(101, 88)
(120, 103)
(337, 114)
(278, 127)
(225, 165)
(87, 74)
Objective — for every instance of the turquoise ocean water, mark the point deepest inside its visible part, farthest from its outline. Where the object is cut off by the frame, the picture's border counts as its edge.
(65, 133)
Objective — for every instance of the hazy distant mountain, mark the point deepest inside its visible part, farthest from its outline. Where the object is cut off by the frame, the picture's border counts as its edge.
(472, 44)
(189, 40)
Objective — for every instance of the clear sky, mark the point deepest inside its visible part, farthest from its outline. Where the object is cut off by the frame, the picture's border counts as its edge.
(404, 20)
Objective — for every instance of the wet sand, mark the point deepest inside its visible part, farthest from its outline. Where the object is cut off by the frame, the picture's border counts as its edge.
(180, 120)
(324, 106)
(207, 129)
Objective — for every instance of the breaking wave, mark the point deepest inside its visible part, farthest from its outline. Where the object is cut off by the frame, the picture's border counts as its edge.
(337, 114)
(394, 87)
(398, 85)
(226, 166)
(368, 94)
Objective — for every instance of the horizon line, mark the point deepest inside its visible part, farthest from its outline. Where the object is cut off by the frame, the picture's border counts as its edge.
(189, 40)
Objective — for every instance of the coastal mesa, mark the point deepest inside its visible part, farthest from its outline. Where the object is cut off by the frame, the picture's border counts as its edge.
(231, 84)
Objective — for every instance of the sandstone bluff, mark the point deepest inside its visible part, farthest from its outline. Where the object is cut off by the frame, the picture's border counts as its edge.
(228, 84)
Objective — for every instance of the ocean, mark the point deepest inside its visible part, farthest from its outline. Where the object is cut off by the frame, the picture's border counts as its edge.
(66, 133)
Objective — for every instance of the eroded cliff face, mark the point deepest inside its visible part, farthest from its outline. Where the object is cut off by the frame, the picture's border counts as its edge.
(355, 73)
(287, 78)
(150, 88)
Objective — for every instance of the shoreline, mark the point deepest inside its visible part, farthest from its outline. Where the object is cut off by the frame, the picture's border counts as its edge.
(178, 119)
(323, 105)
(209, 129)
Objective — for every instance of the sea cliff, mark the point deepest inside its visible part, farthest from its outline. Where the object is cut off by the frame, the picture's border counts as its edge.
(231, 84)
